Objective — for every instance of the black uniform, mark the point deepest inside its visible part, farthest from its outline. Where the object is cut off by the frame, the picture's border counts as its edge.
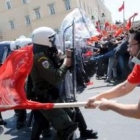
(45, 76)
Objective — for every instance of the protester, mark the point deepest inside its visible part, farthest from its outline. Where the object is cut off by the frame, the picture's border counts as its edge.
(128, 110)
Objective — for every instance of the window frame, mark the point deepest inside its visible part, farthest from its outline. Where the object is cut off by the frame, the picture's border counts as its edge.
(27, 20)
(8, 4)
(12, 24)
(24, 1)
(67, 5)
(37, 13)
(52, 9)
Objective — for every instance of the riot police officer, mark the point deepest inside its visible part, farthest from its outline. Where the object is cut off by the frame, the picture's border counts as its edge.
(46, 73)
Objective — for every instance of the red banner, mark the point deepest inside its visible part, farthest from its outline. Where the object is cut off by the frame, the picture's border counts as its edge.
(128, 25)
(13, 74)
(121, 8)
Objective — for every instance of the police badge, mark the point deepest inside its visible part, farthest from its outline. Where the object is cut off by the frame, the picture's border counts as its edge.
(45, 64)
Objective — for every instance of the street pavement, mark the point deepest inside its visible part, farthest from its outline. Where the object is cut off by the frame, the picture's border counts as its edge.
(110, 125)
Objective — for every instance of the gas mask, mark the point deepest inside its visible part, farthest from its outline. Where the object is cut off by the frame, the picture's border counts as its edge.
(53, 49)
(54, 40)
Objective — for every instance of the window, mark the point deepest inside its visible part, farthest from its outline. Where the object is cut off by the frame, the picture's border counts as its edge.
(28, 21)
(24, 1)
(52, 9)
(8, 4)
(67, 4)
(37, 13)
(12, 24)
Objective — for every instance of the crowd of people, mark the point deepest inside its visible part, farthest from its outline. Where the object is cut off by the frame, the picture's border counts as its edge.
(124, 88)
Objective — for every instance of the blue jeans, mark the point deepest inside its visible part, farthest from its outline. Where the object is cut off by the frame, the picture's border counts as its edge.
(103, 56)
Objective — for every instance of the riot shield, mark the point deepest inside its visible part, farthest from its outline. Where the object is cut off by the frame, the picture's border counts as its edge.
(75, 29)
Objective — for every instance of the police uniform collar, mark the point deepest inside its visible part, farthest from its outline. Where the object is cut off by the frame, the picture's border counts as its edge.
(39, 48)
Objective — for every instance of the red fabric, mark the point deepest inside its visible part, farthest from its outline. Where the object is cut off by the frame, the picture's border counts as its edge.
(121, 8)
(97, 23)
(99, 30)
(133, 16)
(134, 76)
(110, 27)
(98, 26)
(95, 38)
(89, 83)
(89, 53)
(13, 75)
(118, 32)
(104, 33)
(100, 36)
(128, 25)
(114, 27)
(91, 40)
(107, 24)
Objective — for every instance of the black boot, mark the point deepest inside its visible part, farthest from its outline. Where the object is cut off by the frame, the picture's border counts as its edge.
(89, 134)
(21, 118)
(2, 122)
(36, 131)
(67, 133)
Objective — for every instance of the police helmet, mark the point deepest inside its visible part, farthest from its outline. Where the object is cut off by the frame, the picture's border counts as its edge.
(43, 36)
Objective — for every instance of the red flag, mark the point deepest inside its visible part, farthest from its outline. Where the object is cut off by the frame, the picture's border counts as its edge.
(95, 38)
(128, 25)
(99, 30)
(114, 27)
(104, 33)
(121, 8)
(97, 23)
(118, 32)
(98, 26)
(92, 39)
(133, 16)
(107, 24)
(13, 75)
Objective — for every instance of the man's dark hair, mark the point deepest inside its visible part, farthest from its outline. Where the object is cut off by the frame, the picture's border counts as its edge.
(136, 31)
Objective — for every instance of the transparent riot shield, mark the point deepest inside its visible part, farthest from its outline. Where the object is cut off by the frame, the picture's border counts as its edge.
(75, 29)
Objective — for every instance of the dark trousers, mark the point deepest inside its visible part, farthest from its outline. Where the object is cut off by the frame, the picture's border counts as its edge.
(40, 123)
(80, 119)
(0, 117)
(21, 115)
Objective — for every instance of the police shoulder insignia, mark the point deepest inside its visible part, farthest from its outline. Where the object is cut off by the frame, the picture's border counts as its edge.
(45, 64)
(42, 58)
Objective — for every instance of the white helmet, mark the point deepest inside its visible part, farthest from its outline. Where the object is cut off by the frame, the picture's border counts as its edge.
(21, 42)
(12, 46)
(43, 36)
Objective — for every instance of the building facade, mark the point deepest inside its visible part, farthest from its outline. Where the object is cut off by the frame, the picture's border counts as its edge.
(21, 17)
